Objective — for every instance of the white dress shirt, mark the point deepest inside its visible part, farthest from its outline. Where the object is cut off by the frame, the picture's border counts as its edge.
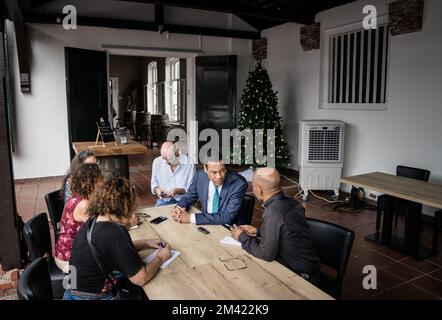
(163, 177)
(209, 200)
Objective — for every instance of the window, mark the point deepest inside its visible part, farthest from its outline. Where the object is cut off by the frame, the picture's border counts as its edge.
(175, 90)
(354, 69)
(151, 88)
(114, 103)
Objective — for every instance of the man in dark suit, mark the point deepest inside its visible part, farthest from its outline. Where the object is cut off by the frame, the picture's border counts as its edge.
(220, 192)
(284, 235)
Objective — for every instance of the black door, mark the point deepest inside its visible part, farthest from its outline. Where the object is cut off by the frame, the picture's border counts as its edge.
(215, 93)
(86, 76)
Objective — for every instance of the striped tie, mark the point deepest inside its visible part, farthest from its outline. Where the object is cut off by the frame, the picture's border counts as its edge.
(215, 201)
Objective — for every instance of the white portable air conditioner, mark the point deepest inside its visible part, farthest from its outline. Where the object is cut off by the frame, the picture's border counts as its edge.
(321, 151)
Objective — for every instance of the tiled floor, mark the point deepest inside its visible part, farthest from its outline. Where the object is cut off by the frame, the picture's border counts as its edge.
(398, 277)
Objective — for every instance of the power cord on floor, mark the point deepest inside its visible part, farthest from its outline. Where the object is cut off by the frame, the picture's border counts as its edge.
(287, 178)
(296, 185)
(329, 201)
(348, 206)
(298, 194)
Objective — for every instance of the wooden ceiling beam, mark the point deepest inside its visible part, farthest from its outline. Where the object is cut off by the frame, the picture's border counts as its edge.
(142, 25)
(159, 14)
(38, 3)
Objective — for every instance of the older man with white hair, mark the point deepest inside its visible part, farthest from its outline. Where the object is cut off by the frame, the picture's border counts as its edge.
(172, 174)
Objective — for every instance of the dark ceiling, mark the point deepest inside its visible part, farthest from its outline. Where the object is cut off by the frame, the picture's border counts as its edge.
(298, 9)
(260, 14)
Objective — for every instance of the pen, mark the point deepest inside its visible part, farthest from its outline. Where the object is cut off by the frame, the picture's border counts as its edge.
(227, 226)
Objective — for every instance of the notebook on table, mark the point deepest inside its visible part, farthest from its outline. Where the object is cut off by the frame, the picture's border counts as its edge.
(229, 240)
(173, 255)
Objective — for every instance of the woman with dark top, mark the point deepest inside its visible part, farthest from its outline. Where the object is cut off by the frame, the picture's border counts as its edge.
(83, 183)
(113, 212)
(85, 156)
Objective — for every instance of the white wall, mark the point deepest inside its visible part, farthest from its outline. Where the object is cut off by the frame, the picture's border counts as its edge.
(409, 132)
(41, 117)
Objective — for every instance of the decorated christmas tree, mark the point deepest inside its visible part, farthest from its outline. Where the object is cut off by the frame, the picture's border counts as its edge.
(259, 110)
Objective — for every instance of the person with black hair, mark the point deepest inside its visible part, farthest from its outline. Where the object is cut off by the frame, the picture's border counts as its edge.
(220, 192)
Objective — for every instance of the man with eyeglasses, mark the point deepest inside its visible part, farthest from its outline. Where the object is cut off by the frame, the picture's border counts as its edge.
(220, 192)
(172, 173)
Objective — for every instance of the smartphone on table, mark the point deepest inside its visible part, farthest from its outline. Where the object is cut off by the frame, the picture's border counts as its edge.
(158, 220)
(203, 230)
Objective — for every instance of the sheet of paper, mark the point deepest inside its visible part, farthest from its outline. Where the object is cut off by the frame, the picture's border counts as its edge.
(231, 241)
(173, 255)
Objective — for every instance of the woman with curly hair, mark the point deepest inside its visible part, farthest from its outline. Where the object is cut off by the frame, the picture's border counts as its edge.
(113, 212)
(85, 156)
(83, 183)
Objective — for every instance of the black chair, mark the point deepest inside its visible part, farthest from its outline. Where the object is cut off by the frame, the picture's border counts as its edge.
(142, 124)
(333, 245)
(437, 224)
(55, 204)
(35, 282)
(129, 121)
(38, 240)
(401, 206)
(248, 204)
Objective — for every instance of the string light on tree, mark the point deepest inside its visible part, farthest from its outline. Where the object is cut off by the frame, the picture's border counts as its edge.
(259, 110)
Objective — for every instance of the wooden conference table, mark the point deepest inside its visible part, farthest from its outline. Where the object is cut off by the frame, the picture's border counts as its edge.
(417, 191)
(113, 158)
(202, 269)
